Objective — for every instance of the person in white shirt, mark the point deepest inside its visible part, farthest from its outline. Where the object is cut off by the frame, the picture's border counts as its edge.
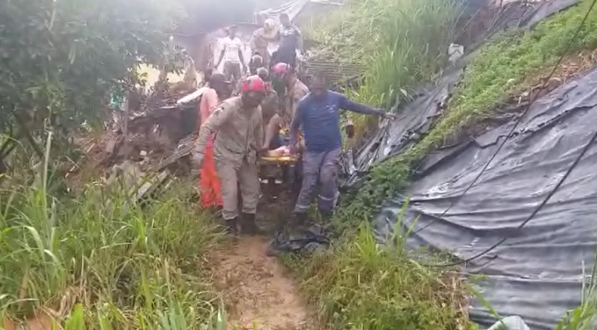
(233, 56)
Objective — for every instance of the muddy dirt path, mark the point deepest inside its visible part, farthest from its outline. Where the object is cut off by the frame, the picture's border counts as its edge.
(256, 288)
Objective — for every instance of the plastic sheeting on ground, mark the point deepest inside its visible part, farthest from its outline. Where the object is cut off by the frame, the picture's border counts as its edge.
(537, 272)
(510, 323)
(393, 137)
(307, 240)
(414, 119)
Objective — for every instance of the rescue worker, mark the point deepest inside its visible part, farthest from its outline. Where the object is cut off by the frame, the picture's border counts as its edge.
(238, 127)
(263, 73)
(270, 104)
(318, 114)
(232, 55)
(294, 89)
(290, 40)
(261, 38)
(255, 63)
(277, 134)
(209, 185)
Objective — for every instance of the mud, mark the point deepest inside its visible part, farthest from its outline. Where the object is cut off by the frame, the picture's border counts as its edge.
(258, 292)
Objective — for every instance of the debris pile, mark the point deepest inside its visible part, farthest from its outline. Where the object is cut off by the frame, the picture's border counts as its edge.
(156, 138)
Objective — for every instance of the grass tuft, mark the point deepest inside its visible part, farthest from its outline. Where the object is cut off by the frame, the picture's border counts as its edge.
(364, 285)
(101, 261)
(393, 40)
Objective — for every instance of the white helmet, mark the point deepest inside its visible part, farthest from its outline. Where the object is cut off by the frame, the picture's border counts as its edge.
(269, 24)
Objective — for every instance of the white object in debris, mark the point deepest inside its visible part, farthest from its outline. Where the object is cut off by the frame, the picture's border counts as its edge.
(455, 52)
(194, 95)
(126, 174)
(510, 323)
(143, 153)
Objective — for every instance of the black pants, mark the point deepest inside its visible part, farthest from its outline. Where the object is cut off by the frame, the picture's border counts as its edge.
(284, 55)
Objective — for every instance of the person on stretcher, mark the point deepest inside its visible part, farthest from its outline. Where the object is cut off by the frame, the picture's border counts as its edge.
(276, 145)
(277, 135)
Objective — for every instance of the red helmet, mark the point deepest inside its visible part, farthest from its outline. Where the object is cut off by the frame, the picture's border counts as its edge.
(281, 69)
(254, 84)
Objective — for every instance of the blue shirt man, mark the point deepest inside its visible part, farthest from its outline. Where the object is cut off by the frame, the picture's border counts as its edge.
(318, 114)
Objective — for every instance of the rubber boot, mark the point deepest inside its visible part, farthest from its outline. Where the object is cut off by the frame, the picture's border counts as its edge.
(300, 220)
(325, 216)
(216, 210)
(248, 224)
(231, 226)
(271, 251)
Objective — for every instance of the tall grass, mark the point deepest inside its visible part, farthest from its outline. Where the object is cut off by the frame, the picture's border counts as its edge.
(583, 317)
(367, 286)
(98, 259)
(400, 43)
(408, 41)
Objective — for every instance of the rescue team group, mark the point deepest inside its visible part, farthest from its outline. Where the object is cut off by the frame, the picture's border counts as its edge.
(235, 131)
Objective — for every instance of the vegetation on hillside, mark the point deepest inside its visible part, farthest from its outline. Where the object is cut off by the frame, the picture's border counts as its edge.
(123, 266)
(364, 285)
(504, 67)
(60, 60)
(101, 261)
(499, 71)
(395, 43)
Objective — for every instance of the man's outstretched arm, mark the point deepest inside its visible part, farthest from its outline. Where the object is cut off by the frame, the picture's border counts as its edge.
(347, 104)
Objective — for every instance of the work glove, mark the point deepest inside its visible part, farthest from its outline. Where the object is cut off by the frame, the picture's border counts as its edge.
(349, 130)
(198, 157)
(389, 116)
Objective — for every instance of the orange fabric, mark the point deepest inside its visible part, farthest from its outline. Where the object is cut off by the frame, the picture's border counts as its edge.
(208, 182)
(209, 185)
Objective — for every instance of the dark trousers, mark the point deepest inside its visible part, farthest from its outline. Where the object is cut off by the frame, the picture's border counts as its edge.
(319, 167)
(284, 55)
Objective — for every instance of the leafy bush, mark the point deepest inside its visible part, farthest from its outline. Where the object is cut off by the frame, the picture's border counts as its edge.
(60, 59)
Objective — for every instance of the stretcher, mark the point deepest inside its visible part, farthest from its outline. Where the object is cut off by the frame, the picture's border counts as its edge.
(273, 157)
(280, 160)
(279, 173)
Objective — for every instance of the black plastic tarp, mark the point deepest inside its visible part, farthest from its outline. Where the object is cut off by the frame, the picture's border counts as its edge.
(415, 119)
(537, 272)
